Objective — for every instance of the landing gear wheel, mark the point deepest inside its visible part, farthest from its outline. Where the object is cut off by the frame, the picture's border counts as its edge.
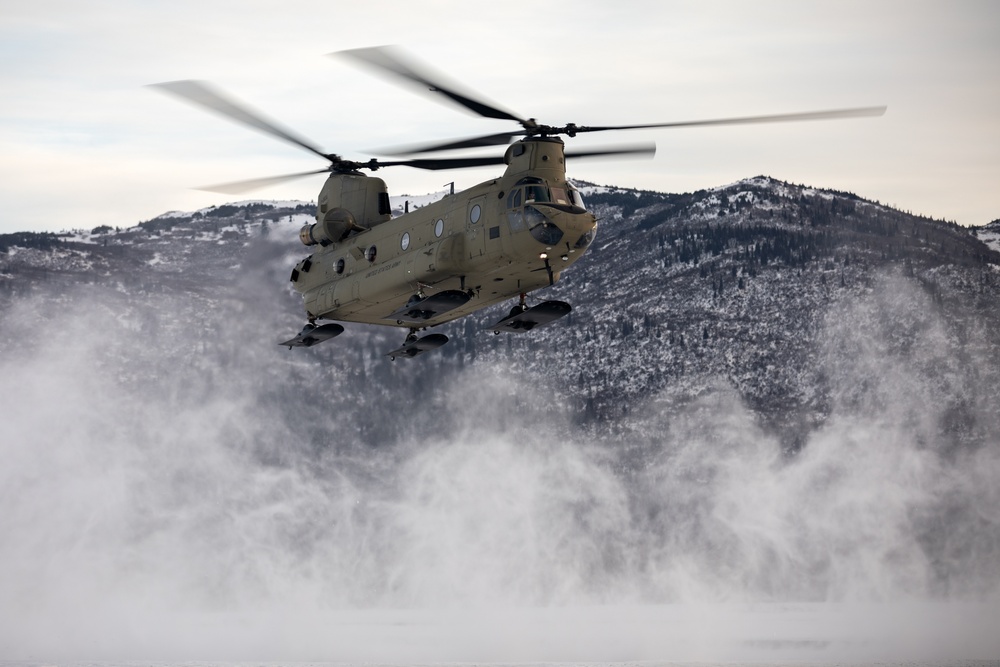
(536, 316)
(517, 310)
(520, 307)
(414, 346)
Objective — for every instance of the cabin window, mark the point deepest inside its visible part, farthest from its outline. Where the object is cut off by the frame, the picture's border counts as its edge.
(439, 228)
(475, 213)
(371, 253)
(404, 243)
(340, 266)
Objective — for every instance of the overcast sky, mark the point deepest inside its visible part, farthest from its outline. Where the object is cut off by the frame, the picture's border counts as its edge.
(84, 143)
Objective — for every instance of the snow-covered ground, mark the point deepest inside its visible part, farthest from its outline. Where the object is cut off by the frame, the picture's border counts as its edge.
(733, 634)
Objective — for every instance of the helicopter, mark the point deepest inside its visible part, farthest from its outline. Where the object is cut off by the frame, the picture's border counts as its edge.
(497, 241)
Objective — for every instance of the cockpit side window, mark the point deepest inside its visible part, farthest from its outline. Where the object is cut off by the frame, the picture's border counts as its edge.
(559, 196)
(514, 212)
(514, 198)
(536, 193)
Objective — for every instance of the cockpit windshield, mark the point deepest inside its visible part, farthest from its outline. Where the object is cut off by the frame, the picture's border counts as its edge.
(535, 191)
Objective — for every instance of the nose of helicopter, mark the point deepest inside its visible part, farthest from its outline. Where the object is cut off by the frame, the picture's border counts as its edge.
(573, 228)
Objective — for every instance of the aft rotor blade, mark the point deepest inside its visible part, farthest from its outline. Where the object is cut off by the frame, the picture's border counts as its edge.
(239, 187)
(202, 94)
(392, 61)
(859, 112)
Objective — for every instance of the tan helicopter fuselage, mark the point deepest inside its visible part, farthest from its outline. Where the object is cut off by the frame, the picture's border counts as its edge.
(494, 241)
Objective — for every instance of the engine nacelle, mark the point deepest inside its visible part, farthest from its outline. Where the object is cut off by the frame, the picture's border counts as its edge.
(336, 225)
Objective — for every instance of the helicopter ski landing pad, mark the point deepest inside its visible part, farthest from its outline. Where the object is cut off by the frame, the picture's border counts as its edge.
(310, 335)
(536, 316)
(419, 311)
(419, 346)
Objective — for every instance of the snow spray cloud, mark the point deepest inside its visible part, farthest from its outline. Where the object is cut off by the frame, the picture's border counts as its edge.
(173, 509)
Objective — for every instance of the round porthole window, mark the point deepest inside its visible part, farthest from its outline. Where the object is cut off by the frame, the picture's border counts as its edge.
(475, 214)
(370, 254)
(439, 228)
(340, 265)
(404, 243)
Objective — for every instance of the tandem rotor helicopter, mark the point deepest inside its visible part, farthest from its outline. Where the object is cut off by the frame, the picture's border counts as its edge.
(497, 241)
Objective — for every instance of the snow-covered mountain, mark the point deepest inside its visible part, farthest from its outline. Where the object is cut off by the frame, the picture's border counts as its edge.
(990, 234)
(770, 289)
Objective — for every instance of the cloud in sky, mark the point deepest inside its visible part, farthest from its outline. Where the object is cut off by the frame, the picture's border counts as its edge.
(84, 143)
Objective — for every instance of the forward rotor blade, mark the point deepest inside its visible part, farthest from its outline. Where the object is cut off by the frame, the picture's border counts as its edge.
(392, 61)
(239, 187)
(466, 162)
(202, 94)
(637, 150)
(436, 164)
(473, 142)
(859, 112)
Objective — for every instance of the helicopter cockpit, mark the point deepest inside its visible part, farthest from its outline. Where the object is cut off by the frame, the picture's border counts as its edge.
(536, 191)
(527, 201)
